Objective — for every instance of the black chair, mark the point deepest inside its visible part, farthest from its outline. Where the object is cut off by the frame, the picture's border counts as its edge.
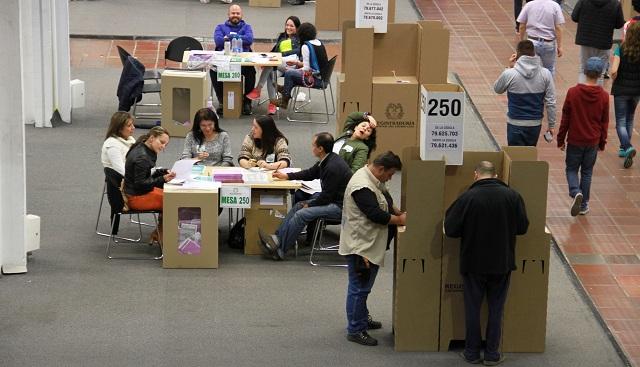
(113, 181)
(176, 48)
(132, 87)
(326, 75)
(153, 74)
(317, 246)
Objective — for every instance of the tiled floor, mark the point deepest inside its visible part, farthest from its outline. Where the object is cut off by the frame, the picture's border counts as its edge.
(602, 246)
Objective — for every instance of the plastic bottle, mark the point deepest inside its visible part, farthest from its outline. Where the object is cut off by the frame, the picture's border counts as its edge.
(237, 46)
(227, 45)
(210, 103)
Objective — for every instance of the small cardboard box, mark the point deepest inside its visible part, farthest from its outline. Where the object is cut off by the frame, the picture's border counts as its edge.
(327, 18)
(263, 216)
(395, 107)
(232, 99)
(183, 94)
(266, 3)
(204, 208)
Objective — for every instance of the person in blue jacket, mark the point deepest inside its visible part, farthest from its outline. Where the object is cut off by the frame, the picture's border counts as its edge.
(235, 27)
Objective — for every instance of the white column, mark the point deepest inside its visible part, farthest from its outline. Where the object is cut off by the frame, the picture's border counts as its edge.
(45, 60)
(12, 151)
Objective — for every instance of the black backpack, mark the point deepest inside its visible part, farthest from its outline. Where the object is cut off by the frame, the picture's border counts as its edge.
(236, 235)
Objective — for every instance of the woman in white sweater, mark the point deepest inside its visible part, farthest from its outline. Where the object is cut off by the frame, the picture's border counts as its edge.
(117, 142)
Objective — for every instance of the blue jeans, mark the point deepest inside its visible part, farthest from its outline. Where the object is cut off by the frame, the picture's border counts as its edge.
(625, 108)
(357, 293)
(298, 217)
(583, 159)
(294, 77)
(495, 286)
(547, 52)
(523, 135)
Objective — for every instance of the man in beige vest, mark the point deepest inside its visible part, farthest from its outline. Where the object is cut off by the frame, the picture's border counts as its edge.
(369, 222)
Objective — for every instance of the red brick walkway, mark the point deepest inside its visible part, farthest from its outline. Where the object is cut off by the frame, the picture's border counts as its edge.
(602, 246)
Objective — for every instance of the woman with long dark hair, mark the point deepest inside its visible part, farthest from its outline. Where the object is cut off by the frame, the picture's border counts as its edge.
(287, 44)
(207, 141)
(314, 61)
(625, 72)
(265, 146)
(360, 134)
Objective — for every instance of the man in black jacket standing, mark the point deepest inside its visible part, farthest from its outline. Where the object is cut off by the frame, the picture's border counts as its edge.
(334, 174)
(487, 217)
(596, 21)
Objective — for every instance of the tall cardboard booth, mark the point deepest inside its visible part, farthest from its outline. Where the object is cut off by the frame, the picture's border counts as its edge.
(428, 308)
(383, 72)
(331, 14)
(183, 94)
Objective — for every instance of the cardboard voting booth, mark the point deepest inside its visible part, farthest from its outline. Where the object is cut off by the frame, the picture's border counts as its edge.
(330, 14)
(267, 210)
(190, 228)
(428, 306)
(183, 94)
(384, 78)
(265, 3)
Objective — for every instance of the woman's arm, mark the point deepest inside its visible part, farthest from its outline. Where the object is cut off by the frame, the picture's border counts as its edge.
(116, 159)
(227, 158)
(187, 150)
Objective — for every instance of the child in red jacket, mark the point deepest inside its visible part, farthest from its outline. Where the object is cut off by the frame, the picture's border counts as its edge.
(585, 118)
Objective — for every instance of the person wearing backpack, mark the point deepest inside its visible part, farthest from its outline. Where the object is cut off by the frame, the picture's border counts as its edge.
(307, 72)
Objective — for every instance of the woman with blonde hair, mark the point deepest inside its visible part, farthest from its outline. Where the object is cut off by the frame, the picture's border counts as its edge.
(625, 72)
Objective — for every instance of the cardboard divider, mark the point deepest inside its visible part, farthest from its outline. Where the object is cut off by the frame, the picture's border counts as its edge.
(441, 292)
(395, 106)
(331, 14)
(266, 3)
(207, 203)
(183, 94)
(232, 99)
(264, 216)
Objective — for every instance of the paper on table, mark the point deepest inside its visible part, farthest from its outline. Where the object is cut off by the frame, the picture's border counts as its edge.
(311, 187)
(289, 170)
(271, 199)
(183, 168)
(201, 185)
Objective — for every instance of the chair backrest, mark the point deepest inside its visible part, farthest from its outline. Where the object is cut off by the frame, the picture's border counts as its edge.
(123, 55)
(328, 72)
(114, 196)
(176, 48)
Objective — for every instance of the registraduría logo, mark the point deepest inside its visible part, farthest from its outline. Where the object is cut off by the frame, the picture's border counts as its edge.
(394, 111)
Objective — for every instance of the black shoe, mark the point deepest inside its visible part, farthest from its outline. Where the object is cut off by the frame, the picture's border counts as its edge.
(219, 111)
(488, 362)
(268, 245)
(372, 324)
(362, 338)
(246, 108)
(472, 361)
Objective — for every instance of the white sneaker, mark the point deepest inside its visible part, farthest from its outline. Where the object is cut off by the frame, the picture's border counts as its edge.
(226, 1)
(575, 206)
(205, 1)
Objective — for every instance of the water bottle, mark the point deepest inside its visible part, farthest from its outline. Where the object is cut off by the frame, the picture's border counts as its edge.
(227, 45)
(237, 46)
(210, 103)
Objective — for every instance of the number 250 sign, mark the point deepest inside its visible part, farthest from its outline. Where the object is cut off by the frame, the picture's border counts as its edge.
(442, 123)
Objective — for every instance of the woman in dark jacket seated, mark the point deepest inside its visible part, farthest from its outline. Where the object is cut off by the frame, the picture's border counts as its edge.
(143, 185)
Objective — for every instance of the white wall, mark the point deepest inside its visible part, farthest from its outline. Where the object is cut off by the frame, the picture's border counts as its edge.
(12, 152)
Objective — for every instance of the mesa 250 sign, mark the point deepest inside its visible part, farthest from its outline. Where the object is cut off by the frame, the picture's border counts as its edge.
(442, 123)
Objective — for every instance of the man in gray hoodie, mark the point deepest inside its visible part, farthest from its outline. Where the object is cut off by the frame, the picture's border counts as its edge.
(529, 89)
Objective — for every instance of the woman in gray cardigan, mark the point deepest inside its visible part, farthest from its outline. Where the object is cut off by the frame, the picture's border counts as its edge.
(207, 141)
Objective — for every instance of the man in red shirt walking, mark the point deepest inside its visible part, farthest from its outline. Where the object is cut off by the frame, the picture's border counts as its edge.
(585, 118)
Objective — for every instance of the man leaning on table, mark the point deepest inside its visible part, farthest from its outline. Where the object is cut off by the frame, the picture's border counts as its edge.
(235, 26)
(334, 174)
